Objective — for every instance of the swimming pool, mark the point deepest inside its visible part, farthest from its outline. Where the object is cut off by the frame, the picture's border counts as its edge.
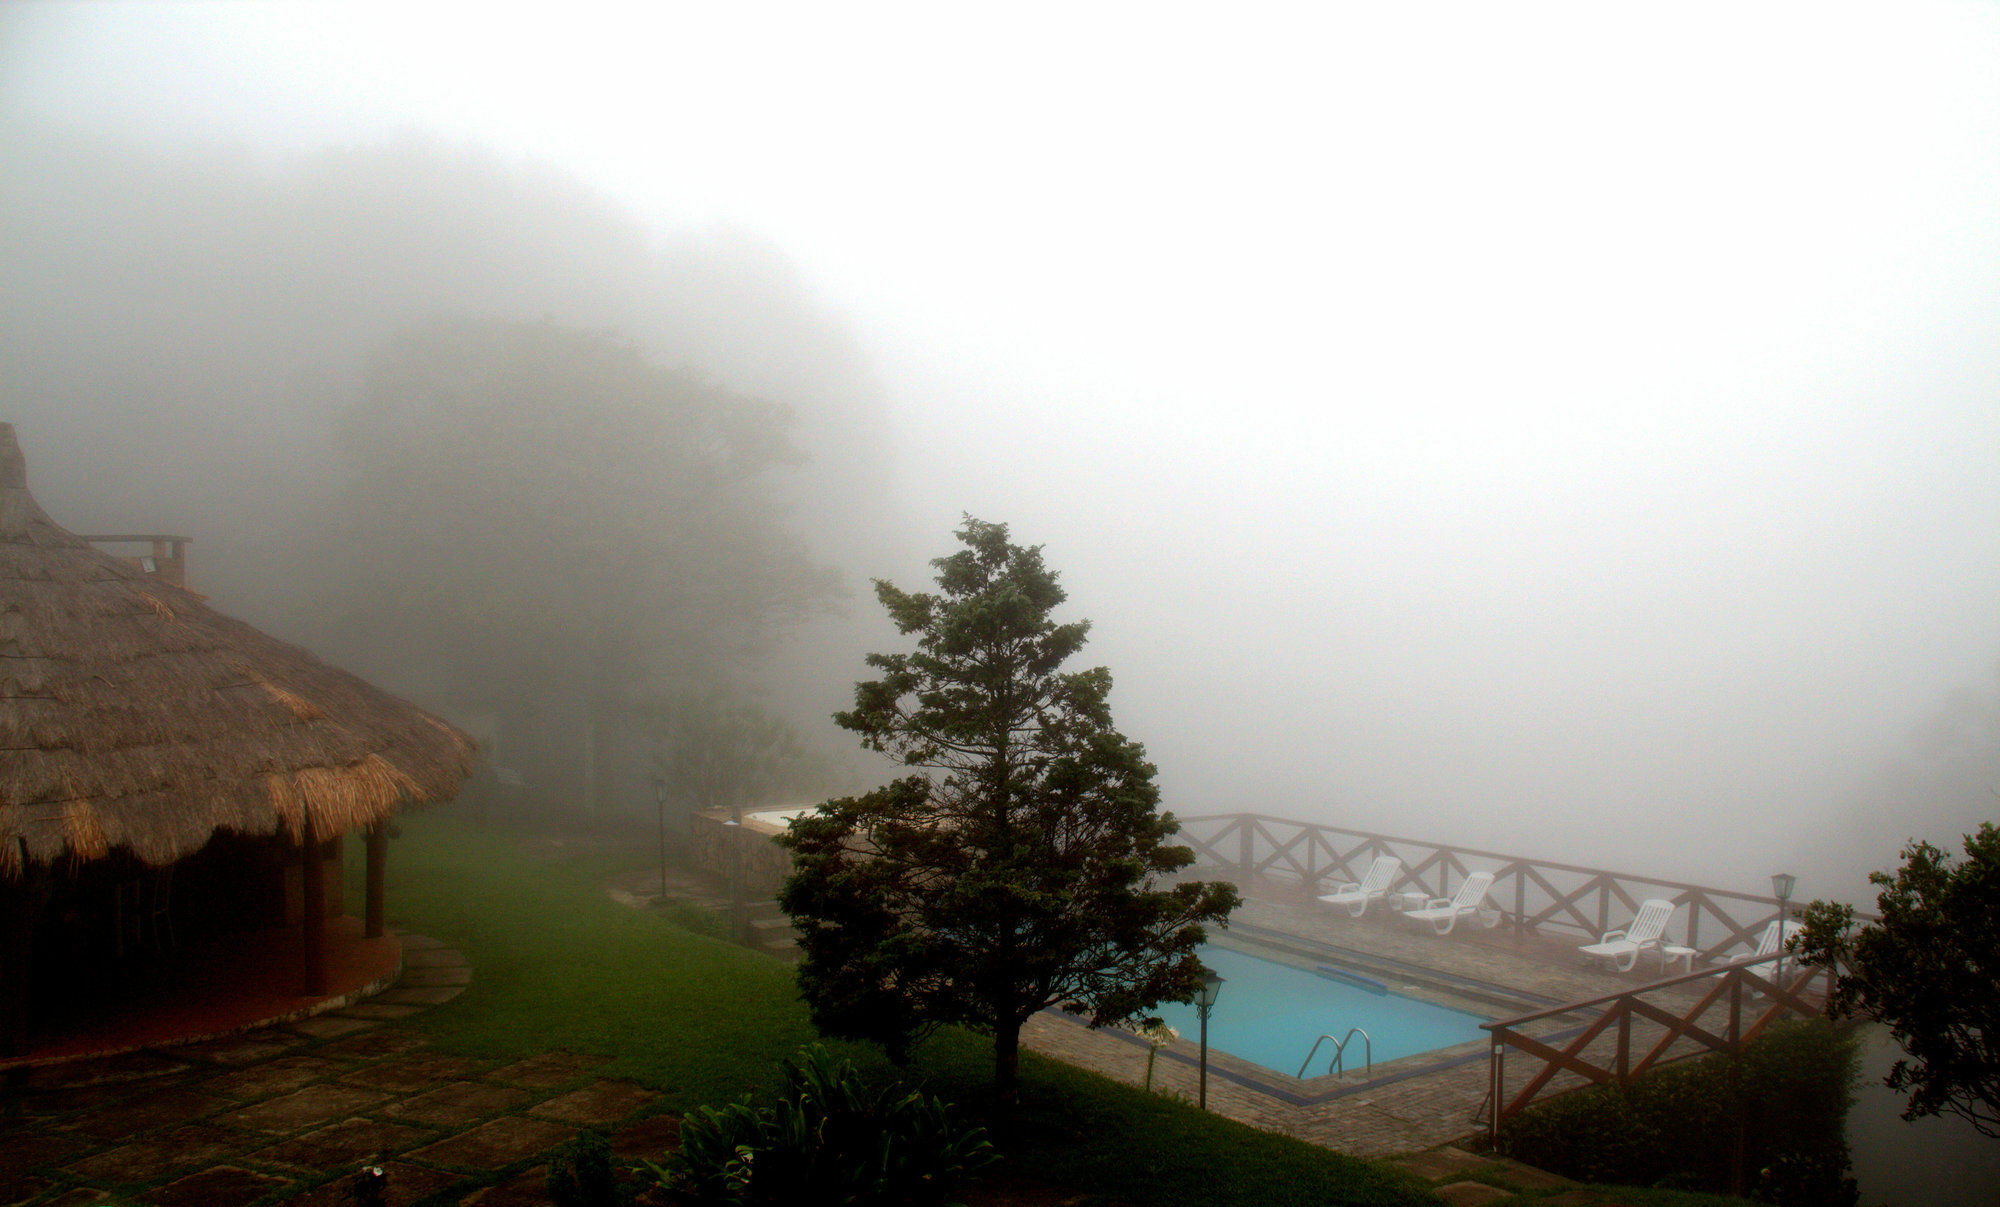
(1270, 1013)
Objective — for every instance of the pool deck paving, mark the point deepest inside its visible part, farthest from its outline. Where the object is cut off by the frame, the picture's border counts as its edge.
(295, 1112)
(1397, 1108)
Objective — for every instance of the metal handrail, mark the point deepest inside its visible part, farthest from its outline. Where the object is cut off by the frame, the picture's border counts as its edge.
(1339, 1064)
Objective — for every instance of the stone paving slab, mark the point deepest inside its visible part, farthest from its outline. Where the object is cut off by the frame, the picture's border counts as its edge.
(1437, 1163)
(597, 1104)
(371, 1045)
(21, 1187)
(21, 1149)
(146, 1113)
(349, 1142)
(304, 1108)
(1527, 1177)
(548, 1069)
(504, 1141)
(81, 1196)
(110, 1070)
(243, 1049)
(280, 1076)
(417, 1071)
(406, 1184)
(459, 1104)
(149, 1160)
(529, 1188)
(46, 1103)
(1470, 1194)
(217, 1186)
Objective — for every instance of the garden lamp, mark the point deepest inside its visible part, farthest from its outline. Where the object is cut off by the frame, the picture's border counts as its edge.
(1204, 1001)
(1782, 884)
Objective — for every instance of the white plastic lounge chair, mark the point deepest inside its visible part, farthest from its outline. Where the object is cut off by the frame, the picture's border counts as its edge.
(1768, 943)
(1443, 913)
(1622, 947)
(1381, 874)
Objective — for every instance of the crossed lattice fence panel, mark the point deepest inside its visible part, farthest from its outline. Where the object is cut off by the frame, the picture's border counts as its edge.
(1612, 1039)
(1535, 894)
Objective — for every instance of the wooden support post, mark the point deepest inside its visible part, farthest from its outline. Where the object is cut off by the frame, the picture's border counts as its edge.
(314, 923)
(378, 873)
(20, 902)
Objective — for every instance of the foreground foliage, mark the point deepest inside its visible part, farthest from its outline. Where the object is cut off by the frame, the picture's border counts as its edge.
(827, 1139)
(1930, 970)
(1022, 868)
(1679, 1125)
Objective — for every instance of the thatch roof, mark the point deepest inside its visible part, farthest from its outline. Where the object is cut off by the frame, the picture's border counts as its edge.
(131, 715)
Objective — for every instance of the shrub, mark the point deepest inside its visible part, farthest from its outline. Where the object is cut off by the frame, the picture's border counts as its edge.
(580, 1175)
(827, 1140)
(1677, 1125)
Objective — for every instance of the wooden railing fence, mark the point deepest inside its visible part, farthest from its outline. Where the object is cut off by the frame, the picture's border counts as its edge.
(1752, 993)
(1533, 894)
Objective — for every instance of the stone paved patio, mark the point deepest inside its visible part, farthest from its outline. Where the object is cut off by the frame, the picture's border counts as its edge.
(293, 1113)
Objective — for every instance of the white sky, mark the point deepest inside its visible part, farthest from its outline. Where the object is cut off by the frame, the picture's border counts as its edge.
(1447, 412)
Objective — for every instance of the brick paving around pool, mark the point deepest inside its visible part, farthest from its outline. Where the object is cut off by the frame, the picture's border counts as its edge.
(293, 1114)
(1399, 1108)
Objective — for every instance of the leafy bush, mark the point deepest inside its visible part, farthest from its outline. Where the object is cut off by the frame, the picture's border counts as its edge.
(827, 1140)
(580, 1175)
(1676, 1126)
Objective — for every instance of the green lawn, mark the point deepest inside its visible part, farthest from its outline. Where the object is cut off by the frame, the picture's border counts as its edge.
(557, 964)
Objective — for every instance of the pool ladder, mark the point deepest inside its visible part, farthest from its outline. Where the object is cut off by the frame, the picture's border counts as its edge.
(1338, 1064)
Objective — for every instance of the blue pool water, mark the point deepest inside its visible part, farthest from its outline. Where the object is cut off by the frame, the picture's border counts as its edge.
(1269, 1014)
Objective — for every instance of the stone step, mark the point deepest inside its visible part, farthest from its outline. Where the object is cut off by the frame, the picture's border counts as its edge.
(773, 936)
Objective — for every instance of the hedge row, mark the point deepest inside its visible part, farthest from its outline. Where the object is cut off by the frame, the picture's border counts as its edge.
(1680, 1125)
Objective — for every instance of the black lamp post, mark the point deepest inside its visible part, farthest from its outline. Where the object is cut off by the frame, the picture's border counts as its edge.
(660, 807)
(1782, 884)
(733, 834)
(1204, 1001)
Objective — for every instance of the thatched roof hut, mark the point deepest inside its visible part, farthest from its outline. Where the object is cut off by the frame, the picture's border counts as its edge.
(137, 725)
(132, 715)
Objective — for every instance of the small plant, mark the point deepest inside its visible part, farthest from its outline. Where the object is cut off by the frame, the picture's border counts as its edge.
(1157, 1034)
(827, 1140)
(580, 1175)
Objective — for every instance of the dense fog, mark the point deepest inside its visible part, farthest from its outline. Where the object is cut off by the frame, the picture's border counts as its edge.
(1537, 444)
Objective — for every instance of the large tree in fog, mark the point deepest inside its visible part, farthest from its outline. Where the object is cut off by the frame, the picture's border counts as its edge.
(1929, 970)
(549, 520)
(1023, 866)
